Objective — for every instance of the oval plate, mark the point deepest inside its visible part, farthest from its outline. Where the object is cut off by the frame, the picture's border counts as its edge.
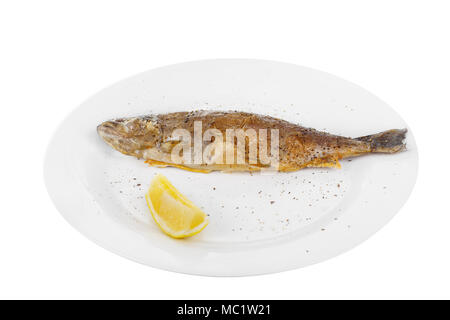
(259, 223)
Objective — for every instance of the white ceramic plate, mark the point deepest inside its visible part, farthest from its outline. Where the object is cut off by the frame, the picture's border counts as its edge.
(258, 223)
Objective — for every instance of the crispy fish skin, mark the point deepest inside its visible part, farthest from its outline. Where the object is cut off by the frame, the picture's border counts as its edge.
(150, 138)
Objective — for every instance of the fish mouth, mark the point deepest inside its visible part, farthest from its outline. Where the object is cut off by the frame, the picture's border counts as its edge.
(110, 132)
(117, 135)
(110, 127)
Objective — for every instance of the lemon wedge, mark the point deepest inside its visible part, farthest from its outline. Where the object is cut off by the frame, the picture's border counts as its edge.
(176, 215)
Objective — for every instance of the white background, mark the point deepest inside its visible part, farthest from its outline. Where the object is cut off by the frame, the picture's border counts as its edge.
(55, 54)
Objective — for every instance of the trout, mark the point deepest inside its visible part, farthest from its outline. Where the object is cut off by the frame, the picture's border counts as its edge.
(151, 138)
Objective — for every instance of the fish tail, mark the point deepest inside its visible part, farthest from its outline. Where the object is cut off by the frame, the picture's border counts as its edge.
(390, 141)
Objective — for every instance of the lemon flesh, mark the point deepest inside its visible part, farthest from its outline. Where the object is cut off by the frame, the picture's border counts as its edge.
(176, 215)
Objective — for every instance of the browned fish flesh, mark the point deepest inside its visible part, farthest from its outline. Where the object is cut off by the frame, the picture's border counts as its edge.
(151, 138)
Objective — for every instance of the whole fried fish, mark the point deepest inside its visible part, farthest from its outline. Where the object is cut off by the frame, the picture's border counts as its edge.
(151, 138)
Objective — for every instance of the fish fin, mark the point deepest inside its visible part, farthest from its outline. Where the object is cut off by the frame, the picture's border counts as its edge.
(330, 164)
(325, 163)
(389, 141)
(243, 168)
(156, 163)
(161, 164)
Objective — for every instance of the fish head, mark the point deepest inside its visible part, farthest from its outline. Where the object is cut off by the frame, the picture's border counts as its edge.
(130, 135)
